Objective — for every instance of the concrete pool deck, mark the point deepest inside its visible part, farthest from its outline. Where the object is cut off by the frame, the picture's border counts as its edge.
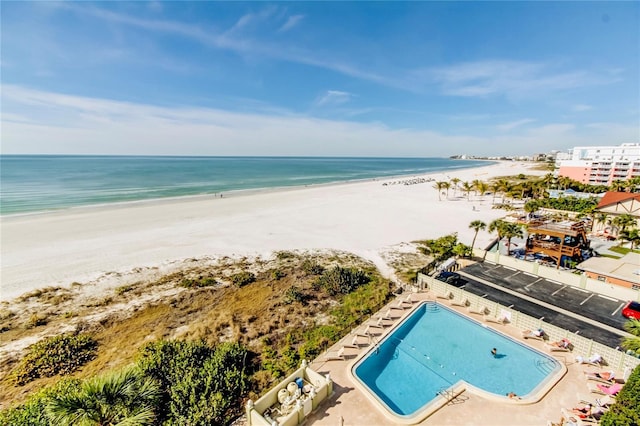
(350, 406)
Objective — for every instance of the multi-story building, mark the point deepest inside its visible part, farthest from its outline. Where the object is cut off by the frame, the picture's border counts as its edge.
(601, 165)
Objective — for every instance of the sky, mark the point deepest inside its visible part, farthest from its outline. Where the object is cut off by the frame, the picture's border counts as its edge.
(394, 79)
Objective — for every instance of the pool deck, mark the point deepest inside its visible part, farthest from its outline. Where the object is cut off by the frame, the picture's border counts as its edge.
(349, 406)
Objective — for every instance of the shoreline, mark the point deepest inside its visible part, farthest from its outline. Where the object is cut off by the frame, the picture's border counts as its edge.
(232, 192)
(362, 217)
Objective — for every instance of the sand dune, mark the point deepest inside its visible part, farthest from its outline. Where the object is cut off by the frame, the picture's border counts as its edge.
(364, 218)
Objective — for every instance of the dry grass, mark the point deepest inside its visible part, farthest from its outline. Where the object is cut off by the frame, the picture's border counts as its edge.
(135, 313)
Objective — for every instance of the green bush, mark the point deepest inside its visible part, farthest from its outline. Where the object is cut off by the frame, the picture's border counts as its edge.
(200, 282)
(199, 385)
(294, 294)
(61, 354)
(341, 280)
(312, 268)
(243, 278)
(626, 410)
(277, 274)
(32, 412)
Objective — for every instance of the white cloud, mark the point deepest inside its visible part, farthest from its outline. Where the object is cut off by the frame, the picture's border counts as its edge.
(37, 122)
(510, 78)
(333, 97)
(513, 124)
(292, 21)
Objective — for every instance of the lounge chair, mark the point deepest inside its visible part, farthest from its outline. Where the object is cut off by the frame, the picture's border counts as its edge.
(481, 310)
(562, 345)
(462, 302)
(354, 343)
(337, 356)
(530, 334)
(498, 320)
(602, 389)
(447, 295)
(380, 323)
(602, 377)
(595, 360)
(408, 299)
(399, 305)
(387, 315)
(572, 418)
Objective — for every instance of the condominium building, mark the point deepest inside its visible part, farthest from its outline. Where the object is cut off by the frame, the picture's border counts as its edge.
(601, 165)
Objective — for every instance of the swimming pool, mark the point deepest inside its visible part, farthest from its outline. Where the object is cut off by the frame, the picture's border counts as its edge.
(436, 349)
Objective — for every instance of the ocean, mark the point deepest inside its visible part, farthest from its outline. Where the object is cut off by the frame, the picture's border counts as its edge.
(38, 183)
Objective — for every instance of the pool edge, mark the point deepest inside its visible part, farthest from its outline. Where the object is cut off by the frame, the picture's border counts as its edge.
(457, 388)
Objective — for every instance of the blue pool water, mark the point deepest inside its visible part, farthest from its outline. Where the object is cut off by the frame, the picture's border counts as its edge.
(435, 348)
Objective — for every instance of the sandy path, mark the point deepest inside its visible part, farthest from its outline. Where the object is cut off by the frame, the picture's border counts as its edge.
(364, 218)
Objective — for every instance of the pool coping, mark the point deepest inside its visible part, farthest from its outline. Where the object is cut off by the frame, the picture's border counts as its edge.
(457, 388)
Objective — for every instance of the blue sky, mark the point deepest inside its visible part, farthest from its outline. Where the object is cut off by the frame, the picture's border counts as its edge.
(318, 78)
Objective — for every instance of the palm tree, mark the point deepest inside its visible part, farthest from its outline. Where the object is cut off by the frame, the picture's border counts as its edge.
(475, 184)
(482, 187)
(439, 186)
(120, 398)
(476, 225)
(511, 230)
(601, 218)
(631, 235)
(495, 187)
(467, 187)
(623, 221)
(455, 181)
(632, 343)
(498, 226)
(617, 186)
(447, 186)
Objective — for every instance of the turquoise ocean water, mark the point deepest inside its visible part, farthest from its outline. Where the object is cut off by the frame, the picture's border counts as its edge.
(42, 183)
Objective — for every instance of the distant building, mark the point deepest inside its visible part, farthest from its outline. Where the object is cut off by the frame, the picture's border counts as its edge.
(624, 272)
(601, 165)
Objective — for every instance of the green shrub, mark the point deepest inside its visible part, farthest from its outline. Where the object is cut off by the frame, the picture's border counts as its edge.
(312, 268)
(200, 282)
(626, 410)
(277, 274)
(341, 280)
(294, 294)
(243, 278)
(32, 411)
(61, 354)
(284, 255)
(199, 385)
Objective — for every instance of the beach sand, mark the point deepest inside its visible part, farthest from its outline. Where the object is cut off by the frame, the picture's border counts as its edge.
(364, 218)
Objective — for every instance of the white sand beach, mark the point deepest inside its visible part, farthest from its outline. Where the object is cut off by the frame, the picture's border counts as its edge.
(365, 218)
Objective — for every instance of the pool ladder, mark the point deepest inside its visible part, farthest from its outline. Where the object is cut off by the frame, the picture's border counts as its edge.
(432, 307)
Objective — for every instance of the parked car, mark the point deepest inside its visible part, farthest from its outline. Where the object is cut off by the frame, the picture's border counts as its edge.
(631, 310)
(448, 277)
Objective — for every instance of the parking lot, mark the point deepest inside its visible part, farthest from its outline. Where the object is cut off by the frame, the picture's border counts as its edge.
(591, 315)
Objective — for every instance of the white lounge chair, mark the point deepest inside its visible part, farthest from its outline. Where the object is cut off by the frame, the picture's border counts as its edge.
(481, 310)
(387, 315)
(595, 360)
(354, 343)
(399, 305)
(408, 299)
(335, 356)
(598, 377)
(498, 320)
(562, 345)
(447, 295)
(529, 334)
(462, 302)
